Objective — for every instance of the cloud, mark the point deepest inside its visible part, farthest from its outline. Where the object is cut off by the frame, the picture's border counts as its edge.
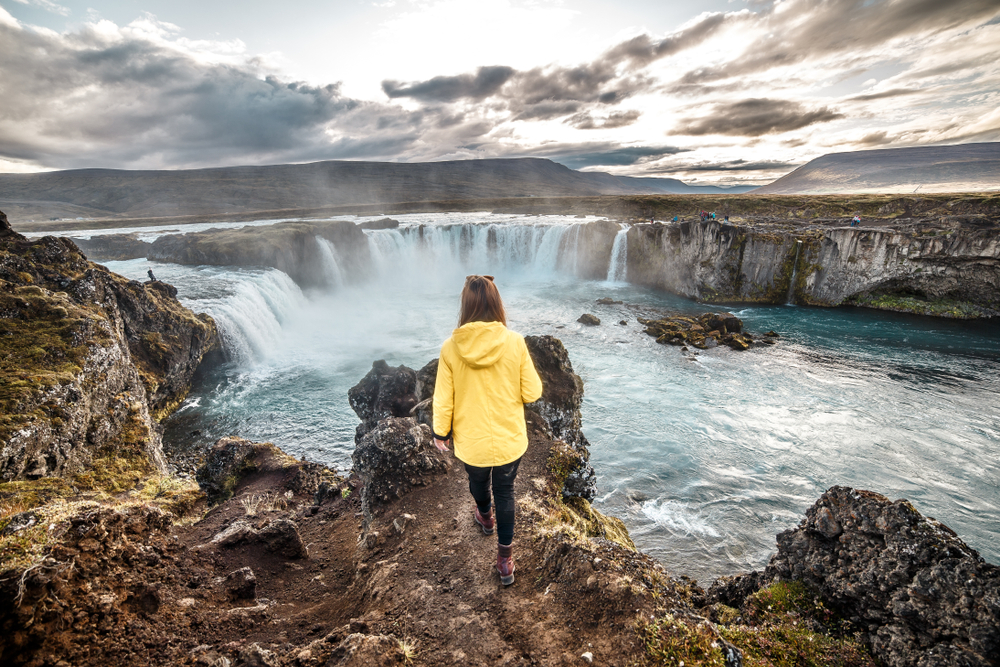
(795, 31)
(755, 117)
(732, 165)
(586, 121)
(606, 154)
(47, 5)
(106, 95)
(543, 93)
(885, 94)
(484, 83)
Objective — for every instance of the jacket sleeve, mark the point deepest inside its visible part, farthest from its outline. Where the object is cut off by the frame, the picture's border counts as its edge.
(531, 384)
(444, 397)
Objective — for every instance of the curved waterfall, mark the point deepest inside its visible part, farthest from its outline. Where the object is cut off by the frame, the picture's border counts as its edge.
(250, 318)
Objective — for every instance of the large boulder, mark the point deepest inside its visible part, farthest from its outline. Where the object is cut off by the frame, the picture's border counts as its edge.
(395, 456)
(559, 406)
(918, 594)
(231, 460)
(384, 392)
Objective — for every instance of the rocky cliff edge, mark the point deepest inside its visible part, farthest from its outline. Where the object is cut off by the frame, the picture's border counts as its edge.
(89, 361)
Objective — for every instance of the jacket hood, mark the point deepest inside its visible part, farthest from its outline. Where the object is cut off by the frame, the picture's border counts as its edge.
(480, 344)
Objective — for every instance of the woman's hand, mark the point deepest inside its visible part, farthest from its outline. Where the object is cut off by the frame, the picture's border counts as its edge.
(442, 445)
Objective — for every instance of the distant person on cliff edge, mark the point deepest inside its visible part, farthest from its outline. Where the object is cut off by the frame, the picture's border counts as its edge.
(485, 376)
(149, 272)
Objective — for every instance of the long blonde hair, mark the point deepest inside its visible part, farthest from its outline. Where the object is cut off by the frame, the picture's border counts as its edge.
(481, 302)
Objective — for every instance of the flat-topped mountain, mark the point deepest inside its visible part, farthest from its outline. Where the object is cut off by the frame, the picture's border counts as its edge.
(109, 193)
(926, 169)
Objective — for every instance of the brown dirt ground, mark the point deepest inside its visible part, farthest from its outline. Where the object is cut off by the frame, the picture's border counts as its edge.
(426, 596)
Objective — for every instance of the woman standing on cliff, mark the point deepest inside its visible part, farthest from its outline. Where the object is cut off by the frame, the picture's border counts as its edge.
(484, 378)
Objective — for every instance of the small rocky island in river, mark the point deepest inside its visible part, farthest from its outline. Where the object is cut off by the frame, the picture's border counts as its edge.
(107, 559)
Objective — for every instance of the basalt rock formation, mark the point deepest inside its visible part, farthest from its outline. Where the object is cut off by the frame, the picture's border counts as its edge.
(826, 263)
(90, 361)
(916, 592)
(301, 249)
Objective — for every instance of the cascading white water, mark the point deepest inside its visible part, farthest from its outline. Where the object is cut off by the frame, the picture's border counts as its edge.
(618, 266)
(250, 319)
(536, 248)
(790, 299)
(332, 272)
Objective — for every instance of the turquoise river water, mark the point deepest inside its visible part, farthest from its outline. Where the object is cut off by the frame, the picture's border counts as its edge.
(705, 457)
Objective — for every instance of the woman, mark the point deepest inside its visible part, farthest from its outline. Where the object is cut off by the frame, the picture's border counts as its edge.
(484, 378)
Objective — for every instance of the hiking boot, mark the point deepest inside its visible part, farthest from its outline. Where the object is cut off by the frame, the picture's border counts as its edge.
(485, 522)
(505, 563)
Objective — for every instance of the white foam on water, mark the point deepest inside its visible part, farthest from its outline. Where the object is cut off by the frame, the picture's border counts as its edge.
(678, 517)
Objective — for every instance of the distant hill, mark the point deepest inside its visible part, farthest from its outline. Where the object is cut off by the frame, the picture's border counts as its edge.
(926, 169)
(110, 193)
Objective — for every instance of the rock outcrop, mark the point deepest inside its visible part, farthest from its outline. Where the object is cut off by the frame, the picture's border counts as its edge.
(955, 259)
(90, 360)
(384, 392)
(918, 594)
(392, 458)
(559, 406)
(312, 253)
(113, 247)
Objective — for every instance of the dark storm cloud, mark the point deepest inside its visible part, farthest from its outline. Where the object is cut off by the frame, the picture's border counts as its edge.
(91, 101)
(802, 30)
(484, 83)
(755, 117)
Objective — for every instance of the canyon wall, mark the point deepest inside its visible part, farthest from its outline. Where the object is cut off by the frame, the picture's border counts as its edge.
(717, 262)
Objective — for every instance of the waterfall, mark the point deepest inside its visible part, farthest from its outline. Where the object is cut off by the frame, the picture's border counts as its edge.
(795, 269)
(618, 266)
(250, 318)
(331, 266)
(484, 248)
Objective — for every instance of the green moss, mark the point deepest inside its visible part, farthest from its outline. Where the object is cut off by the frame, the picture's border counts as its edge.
(960, 310)
(787, 625)
(576, 516)
(670, 641)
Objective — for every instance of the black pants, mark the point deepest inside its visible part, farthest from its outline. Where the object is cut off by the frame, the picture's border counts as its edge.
(503, 495)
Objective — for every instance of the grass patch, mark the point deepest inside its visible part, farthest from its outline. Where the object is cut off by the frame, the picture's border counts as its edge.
(787, 625)
(959, 310)
(670, 641)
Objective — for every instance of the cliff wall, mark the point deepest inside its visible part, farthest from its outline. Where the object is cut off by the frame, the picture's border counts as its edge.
(89, 360)
(826, 265)
(292, 247)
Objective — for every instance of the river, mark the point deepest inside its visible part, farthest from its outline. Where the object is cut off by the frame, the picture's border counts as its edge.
(704, 456)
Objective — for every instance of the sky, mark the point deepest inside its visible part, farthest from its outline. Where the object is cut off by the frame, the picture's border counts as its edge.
(725, 92)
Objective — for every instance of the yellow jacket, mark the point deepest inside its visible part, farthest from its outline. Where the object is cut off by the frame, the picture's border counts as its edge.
(484, 378)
